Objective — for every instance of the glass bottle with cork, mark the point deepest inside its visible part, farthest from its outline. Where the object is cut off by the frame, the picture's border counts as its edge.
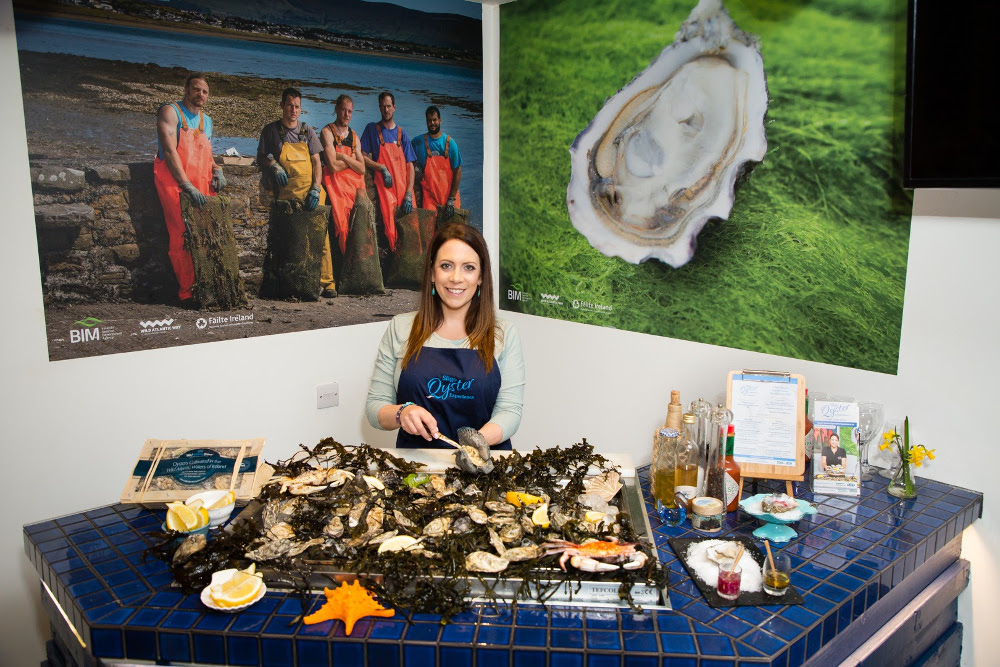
(702, 411)
(715, 469)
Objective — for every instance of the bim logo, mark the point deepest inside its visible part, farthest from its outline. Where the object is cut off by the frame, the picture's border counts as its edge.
(84, 335)
(155, 323)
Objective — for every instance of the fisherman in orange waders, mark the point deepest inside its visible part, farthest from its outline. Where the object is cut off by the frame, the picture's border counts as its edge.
(184, 164)
(388, 151)
(343, 167)
(438, 155)
(289, 153)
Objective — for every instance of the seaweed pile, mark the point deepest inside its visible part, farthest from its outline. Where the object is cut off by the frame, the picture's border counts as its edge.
(330, 508)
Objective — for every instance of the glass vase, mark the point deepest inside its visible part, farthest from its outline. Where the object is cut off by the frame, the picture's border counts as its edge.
(903, 484)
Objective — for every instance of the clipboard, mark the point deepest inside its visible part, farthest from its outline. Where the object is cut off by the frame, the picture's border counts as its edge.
(769, 409)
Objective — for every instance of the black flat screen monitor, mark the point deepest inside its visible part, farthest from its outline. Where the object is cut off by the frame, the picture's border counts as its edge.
(952, 126)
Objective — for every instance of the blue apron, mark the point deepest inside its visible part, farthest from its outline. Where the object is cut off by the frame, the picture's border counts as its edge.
(454, 387)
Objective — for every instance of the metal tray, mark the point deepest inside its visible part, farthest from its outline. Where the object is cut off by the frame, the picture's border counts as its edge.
(596, 591)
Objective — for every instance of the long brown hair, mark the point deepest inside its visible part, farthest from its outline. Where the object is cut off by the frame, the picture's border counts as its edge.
(480, 320)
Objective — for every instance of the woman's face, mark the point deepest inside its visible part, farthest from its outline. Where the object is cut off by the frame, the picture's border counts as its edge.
(457, 274)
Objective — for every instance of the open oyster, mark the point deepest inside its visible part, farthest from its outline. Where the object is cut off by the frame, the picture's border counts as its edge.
(664, 155)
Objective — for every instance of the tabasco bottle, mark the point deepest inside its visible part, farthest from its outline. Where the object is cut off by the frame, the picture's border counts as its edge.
(732, 473)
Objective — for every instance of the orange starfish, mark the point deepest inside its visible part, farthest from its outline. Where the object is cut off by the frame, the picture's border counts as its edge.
(349, 603)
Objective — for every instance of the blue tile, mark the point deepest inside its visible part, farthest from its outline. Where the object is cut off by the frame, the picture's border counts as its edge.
(632, 660)
(147, 617)
(492, 657)
(140, 645)
(423, 632)
(672, 622)
(566, 619)
(243, 651)
(732, 626)
(846, 581)
(347, 653)
(715, 645)
(208, 648)
(529, 637)
(281, 625)
(639, 641)
(84, 587)
(181, 620)
(416, 655)
(597, 620)
(599, 639)
(449, 657)
(458, 634)
(246, 622)
(831, 592)
(557, 659)
(532, 617)
(107, 643)
(603, 660)
(683, 644)
(782, 628)
(800, 615)
(701, 612)
(383, 654)
(641, 622)
(387, 630)
(489, 634)
(175, 647)
(214, 621)
(752, 615)
(767, 643)
(566, 638)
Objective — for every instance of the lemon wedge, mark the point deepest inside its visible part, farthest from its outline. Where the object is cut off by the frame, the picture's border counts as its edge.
(518, 498)
(194, 503)
(239, 590)
(202, 514)
(227, 499)
(398, 543)
(540, 517)
(181, 517)
(593, 517)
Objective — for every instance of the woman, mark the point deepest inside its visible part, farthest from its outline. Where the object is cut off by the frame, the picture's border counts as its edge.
(453, 363)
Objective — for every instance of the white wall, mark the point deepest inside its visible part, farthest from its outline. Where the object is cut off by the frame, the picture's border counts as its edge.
(72, 429)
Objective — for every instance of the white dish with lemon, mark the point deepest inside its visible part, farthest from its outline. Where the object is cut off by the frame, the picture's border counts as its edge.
(219, 505)
(233, 590)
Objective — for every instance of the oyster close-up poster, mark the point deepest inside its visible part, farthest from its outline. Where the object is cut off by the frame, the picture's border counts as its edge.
(719, 171)
(95, 78)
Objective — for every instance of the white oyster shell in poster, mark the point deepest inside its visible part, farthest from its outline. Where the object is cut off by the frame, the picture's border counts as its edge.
(664, 155)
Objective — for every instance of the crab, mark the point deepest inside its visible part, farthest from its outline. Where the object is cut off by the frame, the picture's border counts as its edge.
(597, 555)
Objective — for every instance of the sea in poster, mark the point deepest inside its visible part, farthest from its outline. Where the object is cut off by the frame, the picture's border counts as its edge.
(809, 263)
(91, 85)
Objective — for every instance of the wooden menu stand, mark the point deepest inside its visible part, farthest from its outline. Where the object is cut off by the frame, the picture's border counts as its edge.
(789, 467)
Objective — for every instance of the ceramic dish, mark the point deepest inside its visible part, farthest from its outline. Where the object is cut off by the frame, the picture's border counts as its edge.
(221, 577)
(216, 517)
(775, 526)
(198, 531)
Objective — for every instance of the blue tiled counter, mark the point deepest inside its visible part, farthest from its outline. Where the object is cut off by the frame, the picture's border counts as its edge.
(106, 603)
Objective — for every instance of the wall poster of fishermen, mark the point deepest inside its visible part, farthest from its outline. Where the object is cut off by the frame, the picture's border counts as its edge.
(211, 170)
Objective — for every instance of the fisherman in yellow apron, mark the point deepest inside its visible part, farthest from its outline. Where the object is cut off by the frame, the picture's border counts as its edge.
(289, 154)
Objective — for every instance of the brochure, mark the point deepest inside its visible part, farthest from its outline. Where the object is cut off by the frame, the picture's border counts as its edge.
(835, 454)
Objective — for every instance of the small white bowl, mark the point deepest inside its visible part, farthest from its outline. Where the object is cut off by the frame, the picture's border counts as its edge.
(216, 517)
(221, 577)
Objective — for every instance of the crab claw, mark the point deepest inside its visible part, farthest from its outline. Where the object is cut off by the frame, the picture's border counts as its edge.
(638, 560)
(591, 565)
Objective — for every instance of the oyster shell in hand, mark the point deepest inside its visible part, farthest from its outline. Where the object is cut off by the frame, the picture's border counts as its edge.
(664, 155)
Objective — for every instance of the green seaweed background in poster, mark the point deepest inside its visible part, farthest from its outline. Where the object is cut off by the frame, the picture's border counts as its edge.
(811, 263)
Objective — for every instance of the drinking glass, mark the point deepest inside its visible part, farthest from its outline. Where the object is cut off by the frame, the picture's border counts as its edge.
(730, 575)
(777, 573)
(871, 416)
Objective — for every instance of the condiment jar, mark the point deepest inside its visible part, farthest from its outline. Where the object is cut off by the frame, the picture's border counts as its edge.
(707, 514)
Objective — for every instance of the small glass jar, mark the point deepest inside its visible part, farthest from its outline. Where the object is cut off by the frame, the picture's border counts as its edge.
(707, 514)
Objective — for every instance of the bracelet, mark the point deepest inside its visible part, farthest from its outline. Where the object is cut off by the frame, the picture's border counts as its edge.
(399, 412)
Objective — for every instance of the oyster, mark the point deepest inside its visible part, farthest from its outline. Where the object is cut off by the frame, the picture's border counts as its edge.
(664, 154)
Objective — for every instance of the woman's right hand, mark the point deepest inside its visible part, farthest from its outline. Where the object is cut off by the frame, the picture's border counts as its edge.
(416, 420)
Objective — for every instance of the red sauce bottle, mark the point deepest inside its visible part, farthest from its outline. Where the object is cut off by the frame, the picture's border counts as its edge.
(732, 473)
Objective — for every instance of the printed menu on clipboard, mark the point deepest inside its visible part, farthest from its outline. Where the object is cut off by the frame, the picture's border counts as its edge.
(769, 415)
